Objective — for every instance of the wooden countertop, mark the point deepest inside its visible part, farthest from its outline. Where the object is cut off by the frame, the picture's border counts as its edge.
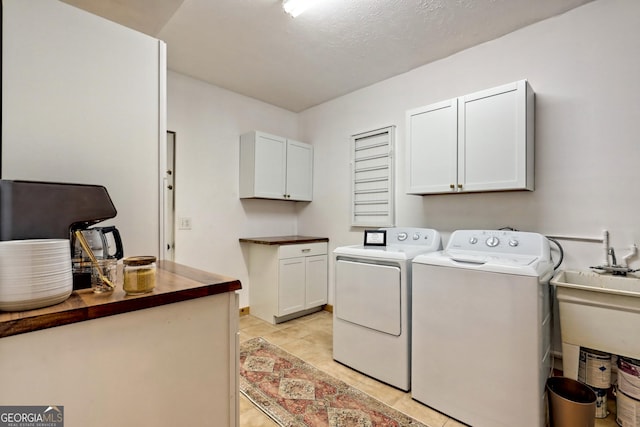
(174, 283)
(283, 240)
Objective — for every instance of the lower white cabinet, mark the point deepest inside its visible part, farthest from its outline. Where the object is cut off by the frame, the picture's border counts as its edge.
(287, 280)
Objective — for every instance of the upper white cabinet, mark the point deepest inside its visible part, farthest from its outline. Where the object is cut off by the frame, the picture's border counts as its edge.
(273, 167)
(432, 147)
(478, 142)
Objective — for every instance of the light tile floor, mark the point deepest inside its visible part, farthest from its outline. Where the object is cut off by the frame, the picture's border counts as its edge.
(310, 338)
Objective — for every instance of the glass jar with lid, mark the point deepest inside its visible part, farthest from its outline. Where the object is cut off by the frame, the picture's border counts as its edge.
(139, 274)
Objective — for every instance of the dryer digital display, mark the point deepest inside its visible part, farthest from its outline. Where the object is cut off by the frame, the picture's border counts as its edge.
(375, 237)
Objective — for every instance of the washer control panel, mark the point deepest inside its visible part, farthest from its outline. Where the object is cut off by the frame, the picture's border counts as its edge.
(498, 241)
(492, 241)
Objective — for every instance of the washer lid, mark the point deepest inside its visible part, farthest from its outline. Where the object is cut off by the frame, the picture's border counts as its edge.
(521, 265)
(483, 258)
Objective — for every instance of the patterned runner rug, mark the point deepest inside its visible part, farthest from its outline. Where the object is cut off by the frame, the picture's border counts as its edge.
(296, 394)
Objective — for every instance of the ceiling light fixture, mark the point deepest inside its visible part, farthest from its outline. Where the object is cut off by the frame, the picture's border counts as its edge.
(296, 7)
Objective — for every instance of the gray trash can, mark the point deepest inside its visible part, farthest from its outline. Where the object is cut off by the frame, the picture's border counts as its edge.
(571, 403)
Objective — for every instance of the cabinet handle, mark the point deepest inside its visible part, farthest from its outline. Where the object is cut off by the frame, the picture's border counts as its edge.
(306, 250)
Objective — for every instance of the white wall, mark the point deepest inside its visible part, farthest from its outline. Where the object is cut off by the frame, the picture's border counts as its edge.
(208, 122)
(584, 67)
(80, 103)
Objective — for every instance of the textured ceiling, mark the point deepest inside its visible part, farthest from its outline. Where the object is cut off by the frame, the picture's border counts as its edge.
(253, 48)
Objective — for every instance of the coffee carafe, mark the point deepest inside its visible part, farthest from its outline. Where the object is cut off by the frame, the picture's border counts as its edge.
(104, 242)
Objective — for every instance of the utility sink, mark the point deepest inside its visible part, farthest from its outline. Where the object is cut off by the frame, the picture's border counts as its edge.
(597, 311)
(594, 282)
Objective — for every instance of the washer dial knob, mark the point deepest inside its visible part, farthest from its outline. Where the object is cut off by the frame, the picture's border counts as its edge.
(513, 243)
(416, 236)
(402, 236)
(492, 241)
(473, 240)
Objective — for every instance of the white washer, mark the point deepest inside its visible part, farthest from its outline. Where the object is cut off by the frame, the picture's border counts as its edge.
(481, 328)
(372, 307)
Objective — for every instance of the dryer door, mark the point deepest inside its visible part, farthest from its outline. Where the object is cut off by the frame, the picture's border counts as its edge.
(369, 295)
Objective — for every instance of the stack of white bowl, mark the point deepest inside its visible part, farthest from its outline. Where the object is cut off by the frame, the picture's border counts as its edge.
(34, 273)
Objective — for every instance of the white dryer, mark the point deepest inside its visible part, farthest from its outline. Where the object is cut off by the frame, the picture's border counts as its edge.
(372, 307)
(481, 328)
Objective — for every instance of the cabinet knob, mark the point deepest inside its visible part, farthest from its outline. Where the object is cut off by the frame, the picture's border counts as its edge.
(451, 186)
(460, 186)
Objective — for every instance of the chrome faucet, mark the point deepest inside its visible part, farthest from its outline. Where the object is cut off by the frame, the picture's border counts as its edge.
(613, 267)
(614, 261)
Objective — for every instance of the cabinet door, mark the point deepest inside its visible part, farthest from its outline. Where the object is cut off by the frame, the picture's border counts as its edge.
(270, 164)
(493, 139)
(263, 160)
(316, 281)
(291, 285)
(431, 153)
(299, 171)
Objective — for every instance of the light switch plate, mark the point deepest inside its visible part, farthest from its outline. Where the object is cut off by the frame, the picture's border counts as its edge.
(184, 223)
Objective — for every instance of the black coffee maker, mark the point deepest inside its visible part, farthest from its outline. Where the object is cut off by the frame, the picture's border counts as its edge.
(53, 210)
